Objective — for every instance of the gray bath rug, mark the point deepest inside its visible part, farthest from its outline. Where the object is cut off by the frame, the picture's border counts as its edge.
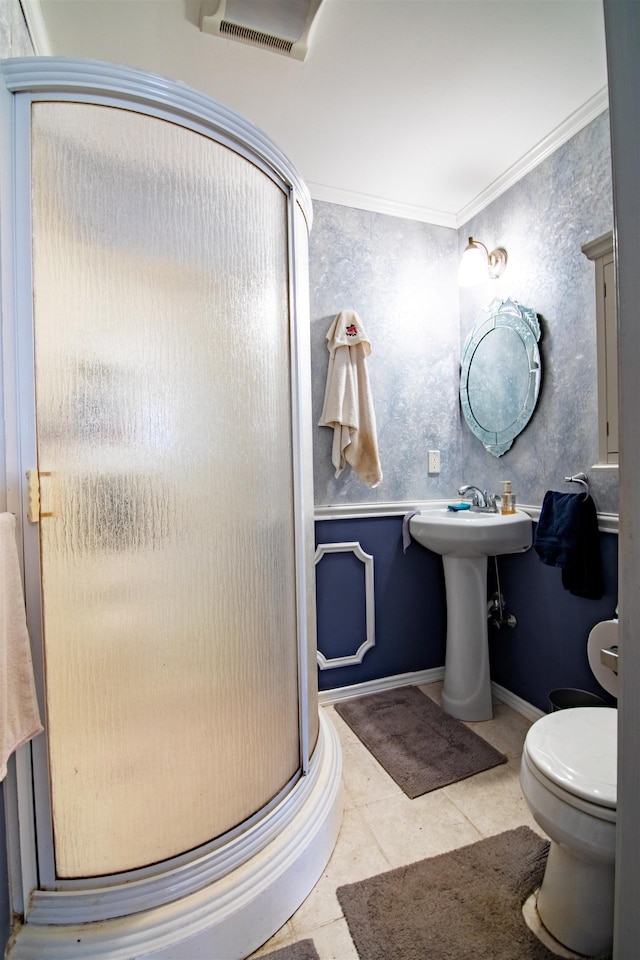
(302, 950)
(462, 905)
(417, 743)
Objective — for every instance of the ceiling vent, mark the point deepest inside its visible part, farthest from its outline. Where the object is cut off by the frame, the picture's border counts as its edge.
(283, 26)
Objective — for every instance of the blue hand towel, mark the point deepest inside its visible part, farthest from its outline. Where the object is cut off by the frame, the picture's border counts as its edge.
(556, 538)
(567, 536)
(583, 575)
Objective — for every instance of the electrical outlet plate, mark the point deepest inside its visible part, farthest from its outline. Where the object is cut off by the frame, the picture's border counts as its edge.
(434, 461)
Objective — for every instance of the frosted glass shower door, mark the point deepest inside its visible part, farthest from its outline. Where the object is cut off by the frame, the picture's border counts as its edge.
(163, 414)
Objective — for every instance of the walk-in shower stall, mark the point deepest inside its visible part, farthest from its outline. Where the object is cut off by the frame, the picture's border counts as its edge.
(185, 796)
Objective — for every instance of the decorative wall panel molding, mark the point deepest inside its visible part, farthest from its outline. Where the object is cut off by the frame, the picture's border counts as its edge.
(327, 663)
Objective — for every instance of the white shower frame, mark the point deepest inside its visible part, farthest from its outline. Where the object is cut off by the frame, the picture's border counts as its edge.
(209, 883)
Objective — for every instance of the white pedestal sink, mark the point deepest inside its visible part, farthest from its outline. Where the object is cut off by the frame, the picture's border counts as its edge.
(465, 539)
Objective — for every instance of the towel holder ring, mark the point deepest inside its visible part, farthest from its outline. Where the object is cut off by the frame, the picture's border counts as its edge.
(579, 478)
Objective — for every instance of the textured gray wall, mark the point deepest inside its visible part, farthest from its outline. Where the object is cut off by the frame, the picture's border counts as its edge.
(14, 36)
(543, 221)
(400, 276)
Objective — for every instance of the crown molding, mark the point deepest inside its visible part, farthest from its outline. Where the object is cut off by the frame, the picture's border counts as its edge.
(563, 132)
(560, 135)
(365, 201)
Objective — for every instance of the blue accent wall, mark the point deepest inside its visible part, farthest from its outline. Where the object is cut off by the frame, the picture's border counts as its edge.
(548, 647)
(546, 650)
(410, 609)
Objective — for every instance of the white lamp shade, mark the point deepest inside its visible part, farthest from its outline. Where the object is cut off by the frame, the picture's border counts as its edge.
(473, 267)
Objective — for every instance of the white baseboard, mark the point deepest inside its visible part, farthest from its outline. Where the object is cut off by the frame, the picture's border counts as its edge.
(337, 694)
(516, 703)
(326, 697)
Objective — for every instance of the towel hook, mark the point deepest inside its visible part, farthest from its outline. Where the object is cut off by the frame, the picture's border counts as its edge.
(579, 478)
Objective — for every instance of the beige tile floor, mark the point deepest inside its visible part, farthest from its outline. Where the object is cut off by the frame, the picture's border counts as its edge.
(382, 828)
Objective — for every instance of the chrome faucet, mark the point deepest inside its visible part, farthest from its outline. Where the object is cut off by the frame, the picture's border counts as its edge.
(480, 500)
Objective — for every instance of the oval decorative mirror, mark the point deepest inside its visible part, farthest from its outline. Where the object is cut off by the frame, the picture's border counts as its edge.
(501, 373)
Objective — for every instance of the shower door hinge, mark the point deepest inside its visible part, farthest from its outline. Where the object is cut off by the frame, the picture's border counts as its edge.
(34, 511)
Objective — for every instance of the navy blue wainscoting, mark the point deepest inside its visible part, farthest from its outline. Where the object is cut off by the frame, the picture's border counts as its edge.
(409, 602)
(546, 650)
(548, 647)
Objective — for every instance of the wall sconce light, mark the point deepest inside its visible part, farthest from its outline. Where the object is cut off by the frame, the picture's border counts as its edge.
(478, 265)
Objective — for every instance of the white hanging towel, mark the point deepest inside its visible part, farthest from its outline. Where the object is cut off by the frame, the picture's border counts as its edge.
(348, 406)
(19, 715)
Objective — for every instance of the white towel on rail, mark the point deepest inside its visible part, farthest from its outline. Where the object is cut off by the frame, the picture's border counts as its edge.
(19, 715)
(348, 405)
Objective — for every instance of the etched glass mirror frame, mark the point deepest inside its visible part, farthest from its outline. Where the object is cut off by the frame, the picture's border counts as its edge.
(500, 374)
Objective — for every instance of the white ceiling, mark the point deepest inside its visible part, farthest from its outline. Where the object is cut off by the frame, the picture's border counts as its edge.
(423, 108)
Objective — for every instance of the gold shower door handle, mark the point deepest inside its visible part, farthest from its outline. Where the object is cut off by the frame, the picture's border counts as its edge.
(35, 488)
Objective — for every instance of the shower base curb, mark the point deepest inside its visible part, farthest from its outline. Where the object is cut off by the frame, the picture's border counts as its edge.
(231, 917)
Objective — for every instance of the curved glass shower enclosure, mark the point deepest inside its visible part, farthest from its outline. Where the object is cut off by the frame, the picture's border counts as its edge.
(162, 334)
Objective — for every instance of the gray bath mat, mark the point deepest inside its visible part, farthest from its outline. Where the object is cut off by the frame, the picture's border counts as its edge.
(417, 743)
(302, 950)
(462, 905)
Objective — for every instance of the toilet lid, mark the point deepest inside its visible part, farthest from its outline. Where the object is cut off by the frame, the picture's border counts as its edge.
(577, 749)
(603, 636)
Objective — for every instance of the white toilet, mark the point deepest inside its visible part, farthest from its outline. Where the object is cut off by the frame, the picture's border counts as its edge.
(568, 777)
